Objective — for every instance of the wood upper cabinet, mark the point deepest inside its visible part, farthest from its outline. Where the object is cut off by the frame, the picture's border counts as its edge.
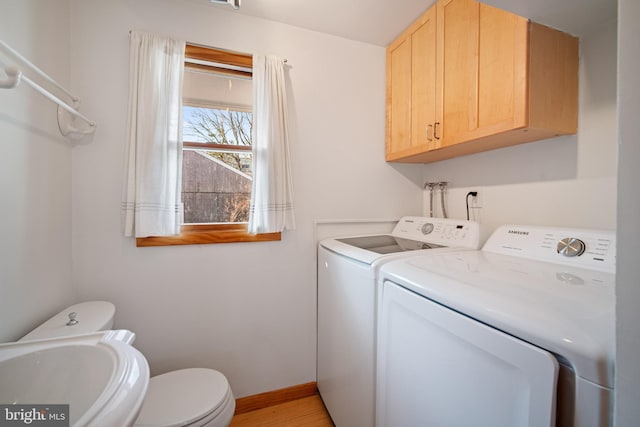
(500, 80)
(411, 87)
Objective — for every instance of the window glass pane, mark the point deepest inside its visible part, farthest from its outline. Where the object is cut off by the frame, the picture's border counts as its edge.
(216, 182)
(212, 191)
(217, 125)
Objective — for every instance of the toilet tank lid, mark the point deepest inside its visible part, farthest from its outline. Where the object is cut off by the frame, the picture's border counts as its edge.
(91, 316)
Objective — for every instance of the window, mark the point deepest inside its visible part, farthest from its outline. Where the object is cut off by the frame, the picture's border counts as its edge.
(217, 163)
(217, 158)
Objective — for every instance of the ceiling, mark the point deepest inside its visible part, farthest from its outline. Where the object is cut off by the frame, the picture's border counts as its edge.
(379, 21)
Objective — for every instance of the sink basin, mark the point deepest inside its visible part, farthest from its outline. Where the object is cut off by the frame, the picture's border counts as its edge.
(101, 376)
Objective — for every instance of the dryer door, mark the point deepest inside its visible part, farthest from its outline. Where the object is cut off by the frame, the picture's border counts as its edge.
(437, 367)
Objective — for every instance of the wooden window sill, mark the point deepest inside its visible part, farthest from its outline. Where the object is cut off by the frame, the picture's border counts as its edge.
(206, 234)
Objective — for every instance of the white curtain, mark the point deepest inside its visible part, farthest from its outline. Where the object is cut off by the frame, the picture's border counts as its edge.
(151, 197)
(272, 196)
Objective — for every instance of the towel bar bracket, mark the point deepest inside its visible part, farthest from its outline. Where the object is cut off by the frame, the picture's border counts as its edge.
(67, 114)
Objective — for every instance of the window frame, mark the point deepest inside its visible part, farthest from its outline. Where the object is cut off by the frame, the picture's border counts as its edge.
(196, 234)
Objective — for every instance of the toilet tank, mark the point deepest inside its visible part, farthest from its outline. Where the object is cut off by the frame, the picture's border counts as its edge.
(90, 316)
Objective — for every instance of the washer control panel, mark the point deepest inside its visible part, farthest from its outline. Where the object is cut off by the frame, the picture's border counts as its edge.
(593, 249)
(439, 231)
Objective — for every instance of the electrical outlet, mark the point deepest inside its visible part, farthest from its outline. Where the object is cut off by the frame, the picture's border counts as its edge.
(475, 202)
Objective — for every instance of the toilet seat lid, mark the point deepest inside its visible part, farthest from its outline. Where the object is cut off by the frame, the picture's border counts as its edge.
(181, 397)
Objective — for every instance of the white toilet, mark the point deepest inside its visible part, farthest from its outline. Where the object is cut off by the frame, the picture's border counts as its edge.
(194, 397)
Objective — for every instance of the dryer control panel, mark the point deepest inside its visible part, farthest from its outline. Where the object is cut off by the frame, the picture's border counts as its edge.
(594, 249)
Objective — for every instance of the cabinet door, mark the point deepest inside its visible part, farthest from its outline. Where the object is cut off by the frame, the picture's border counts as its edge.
(484, 70)
(411, 88)
(399, 96)
(458, 39)
(502, 71)
(423, 82)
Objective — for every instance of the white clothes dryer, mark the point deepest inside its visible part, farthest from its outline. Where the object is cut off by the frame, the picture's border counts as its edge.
(347, 272)
(520, 333)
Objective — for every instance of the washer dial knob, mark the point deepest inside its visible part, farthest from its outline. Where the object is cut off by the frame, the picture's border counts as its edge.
(427, 228)
(570, 247)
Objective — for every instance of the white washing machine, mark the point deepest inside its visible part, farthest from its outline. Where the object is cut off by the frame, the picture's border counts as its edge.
(347, 272)
(520, 333)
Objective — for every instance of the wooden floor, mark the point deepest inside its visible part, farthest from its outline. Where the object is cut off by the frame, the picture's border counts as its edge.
(305, 412)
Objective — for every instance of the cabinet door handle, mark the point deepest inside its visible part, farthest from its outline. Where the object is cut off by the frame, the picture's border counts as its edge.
(435, 130)
(429, 127)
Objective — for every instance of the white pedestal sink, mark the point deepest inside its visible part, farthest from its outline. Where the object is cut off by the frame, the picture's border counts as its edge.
(100, 376)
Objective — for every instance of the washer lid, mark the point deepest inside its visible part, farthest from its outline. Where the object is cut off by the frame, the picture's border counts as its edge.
(386, 244)
(181, 397)
(410, 234)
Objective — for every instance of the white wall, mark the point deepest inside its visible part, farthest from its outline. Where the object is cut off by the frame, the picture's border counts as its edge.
(564, 181)
(248, 310)
(627, 289)
(35, 173)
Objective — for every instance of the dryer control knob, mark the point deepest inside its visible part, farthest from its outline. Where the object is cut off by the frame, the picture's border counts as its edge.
(571, 247)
